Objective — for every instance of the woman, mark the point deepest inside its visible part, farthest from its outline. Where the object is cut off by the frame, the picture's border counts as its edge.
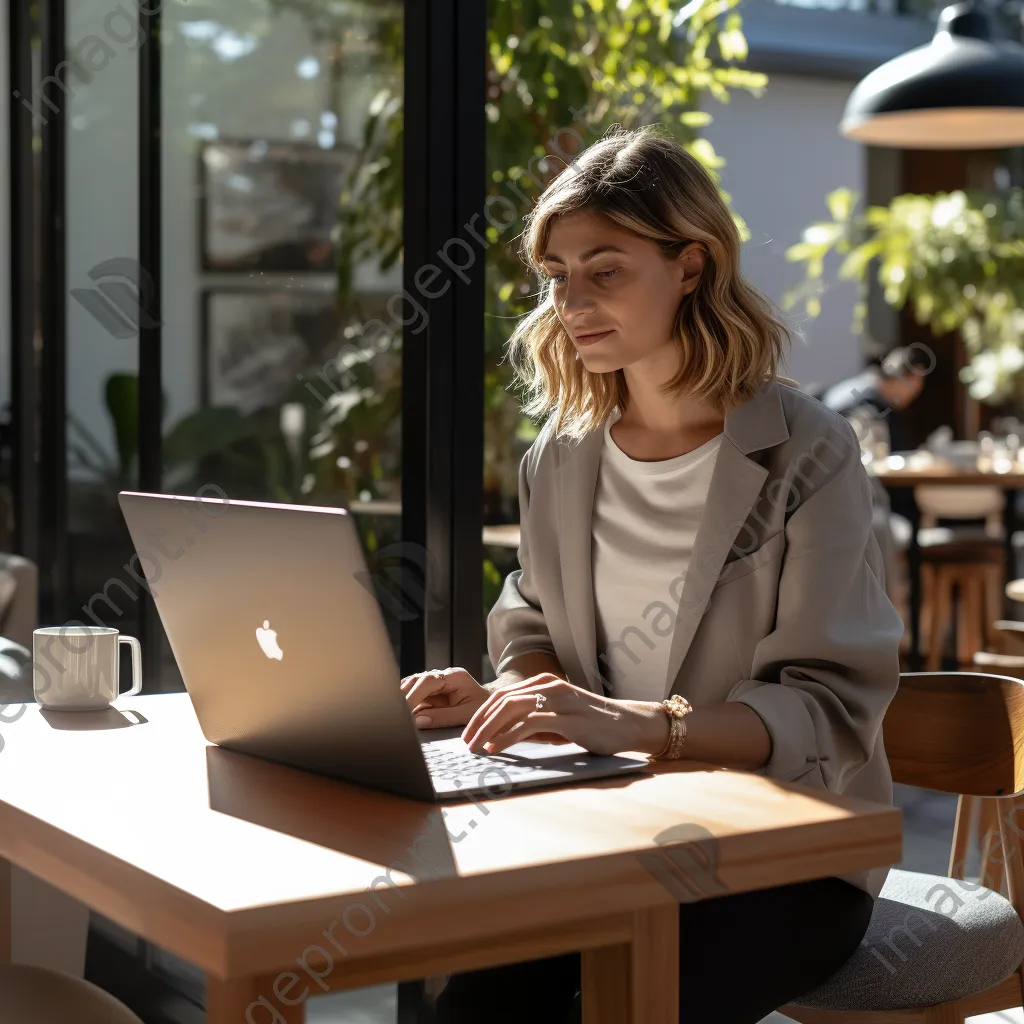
(691, 526)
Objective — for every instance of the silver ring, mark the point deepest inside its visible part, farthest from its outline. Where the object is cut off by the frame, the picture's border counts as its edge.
(541, 701)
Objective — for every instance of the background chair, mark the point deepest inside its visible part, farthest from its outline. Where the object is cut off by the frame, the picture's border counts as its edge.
(960, 945)
(49, 928)
(34, 995)
(19, 598)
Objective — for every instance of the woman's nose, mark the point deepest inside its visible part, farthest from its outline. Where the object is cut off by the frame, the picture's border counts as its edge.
(577, 298)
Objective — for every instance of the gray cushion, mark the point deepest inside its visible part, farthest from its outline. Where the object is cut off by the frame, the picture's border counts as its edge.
(931, 940)
(15, 673)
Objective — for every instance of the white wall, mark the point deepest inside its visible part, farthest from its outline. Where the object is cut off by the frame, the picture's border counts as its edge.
(784, 155)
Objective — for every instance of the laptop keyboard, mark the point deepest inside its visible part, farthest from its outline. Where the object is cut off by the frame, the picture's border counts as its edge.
(472, 769)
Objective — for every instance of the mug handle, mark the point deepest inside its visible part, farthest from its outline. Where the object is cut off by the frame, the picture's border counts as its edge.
(136, 665)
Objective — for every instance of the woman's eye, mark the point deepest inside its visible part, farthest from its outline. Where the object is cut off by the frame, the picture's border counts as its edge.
(603, 274)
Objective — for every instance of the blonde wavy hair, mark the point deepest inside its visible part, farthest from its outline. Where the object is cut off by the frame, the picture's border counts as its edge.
(730, 337)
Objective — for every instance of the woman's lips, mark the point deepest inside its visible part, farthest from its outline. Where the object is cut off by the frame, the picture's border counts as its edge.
(590, 339)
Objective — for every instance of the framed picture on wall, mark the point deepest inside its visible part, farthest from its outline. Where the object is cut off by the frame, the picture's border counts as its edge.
(270, 206)
(255, 342)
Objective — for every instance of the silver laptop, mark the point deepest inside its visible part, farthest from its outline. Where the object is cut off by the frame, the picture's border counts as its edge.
(273, 620)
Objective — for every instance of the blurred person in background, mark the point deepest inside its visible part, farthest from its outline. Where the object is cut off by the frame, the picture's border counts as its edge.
(877, 396)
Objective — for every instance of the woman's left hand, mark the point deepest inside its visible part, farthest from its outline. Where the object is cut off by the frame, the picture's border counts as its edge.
(548, 709)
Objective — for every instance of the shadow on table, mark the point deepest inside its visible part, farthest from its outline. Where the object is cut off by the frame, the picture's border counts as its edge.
(82, 721)
(374, 826)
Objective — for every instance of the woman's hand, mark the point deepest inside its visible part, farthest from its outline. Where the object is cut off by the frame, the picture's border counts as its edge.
(547, 708)
(443, 697)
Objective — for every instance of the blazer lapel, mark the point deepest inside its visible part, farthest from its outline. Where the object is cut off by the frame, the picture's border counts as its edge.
(577, 478)
(735, 486)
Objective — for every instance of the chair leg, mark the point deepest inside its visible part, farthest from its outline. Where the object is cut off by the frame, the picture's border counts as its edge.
(965, 808)
(927, 577)
(990, 874)
(970, 617)
(994, 602)
(942, 611)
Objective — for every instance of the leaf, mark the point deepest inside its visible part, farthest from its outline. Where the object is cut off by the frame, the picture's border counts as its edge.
(206, 432)
(841, 203)
(695, 118)
(122, 399)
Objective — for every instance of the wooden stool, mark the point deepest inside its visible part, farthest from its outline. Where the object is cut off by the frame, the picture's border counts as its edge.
(974, 572)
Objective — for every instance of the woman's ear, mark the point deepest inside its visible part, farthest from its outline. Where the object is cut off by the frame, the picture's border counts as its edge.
(692, 260)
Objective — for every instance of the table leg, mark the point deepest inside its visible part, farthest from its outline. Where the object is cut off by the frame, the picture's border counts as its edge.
(636, 983)
(227, 1002)
(5, 911)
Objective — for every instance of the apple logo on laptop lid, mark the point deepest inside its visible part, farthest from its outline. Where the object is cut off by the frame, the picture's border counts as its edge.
(267, 638)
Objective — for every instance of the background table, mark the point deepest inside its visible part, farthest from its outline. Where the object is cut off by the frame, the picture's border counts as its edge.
(946, 475)
(247, 868)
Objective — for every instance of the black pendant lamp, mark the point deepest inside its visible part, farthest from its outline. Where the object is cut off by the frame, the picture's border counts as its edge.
(964, 90)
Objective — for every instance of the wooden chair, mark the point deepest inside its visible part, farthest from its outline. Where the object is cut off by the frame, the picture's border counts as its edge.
(1006, 658)
(37, 995)
(938, 951)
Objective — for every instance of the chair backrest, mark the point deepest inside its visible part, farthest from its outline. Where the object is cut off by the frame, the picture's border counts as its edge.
(957, 732)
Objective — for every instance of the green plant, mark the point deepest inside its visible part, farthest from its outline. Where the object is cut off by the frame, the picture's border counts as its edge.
(956, 259)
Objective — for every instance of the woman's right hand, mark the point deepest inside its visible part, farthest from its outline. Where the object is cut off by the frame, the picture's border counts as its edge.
(443, 697)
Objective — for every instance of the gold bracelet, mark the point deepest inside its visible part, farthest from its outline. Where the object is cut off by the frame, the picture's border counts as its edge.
(677, 708)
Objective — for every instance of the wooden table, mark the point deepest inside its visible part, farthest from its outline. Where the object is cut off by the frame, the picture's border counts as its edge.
(273, 880)
(502, 536)
(942, 474)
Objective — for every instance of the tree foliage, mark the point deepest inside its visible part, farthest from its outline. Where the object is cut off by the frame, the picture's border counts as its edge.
(956, 259)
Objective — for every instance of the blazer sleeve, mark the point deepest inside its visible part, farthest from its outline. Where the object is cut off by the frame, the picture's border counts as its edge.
(827, 672)
(515, 625)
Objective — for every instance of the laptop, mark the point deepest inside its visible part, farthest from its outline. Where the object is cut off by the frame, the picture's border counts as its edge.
(281, 642)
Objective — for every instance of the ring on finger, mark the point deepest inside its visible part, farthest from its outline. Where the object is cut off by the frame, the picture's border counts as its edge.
(541, 701)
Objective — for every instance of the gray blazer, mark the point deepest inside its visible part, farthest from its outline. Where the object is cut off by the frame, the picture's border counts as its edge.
(783, 606)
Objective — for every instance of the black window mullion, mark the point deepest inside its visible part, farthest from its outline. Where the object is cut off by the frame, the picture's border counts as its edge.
(52, 466)
(442, 473)
(414, 352)
(24, 253)
(150, 286)
(467, 356)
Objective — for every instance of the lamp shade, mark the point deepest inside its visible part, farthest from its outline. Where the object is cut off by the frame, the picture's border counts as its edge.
(963, 90)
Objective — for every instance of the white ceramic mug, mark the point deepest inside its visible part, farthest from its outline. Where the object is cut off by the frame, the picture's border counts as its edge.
(75, 668)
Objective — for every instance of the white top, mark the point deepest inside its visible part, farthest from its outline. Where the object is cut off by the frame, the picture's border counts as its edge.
(645, 522)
